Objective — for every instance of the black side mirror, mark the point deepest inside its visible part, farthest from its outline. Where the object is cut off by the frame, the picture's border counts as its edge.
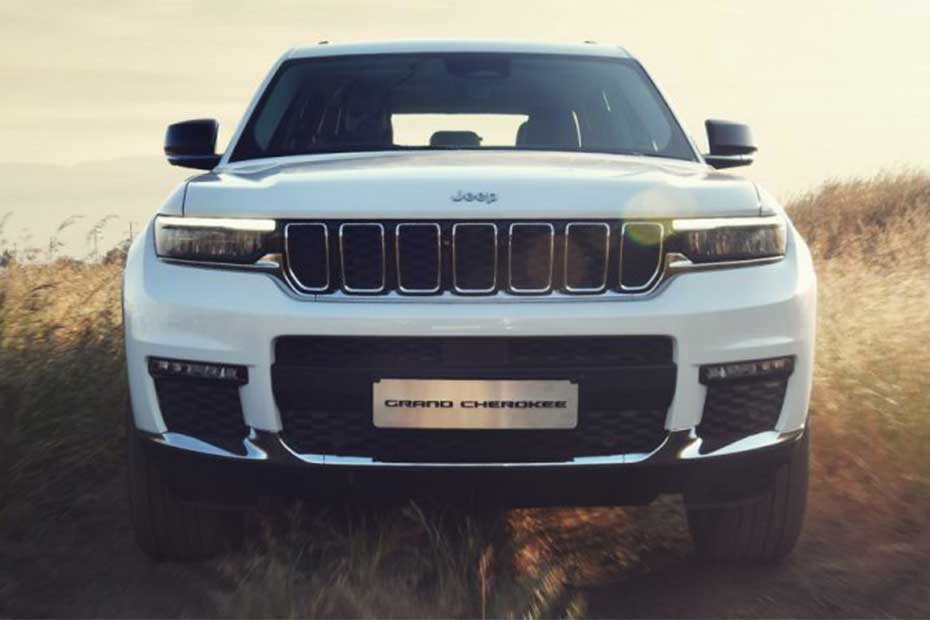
(192, 144)
(731, 144)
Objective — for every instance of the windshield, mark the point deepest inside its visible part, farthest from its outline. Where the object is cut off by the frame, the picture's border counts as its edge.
(461, 101)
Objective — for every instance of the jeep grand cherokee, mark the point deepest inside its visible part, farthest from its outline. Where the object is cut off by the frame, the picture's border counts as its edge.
(487, 269)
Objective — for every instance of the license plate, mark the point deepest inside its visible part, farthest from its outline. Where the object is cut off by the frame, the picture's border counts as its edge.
(474, 404)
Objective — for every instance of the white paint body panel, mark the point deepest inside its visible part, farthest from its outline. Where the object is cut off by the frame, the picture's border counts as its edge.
(420, 184)
(204, 314)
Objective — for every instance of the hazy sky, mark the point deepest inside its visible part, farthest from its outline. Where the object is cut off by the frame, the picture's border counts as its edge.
(830, 88)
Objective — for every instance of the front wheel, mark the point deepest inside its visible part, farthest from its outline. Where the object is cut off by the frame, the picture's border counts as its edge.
(763, 529)
(166, 526)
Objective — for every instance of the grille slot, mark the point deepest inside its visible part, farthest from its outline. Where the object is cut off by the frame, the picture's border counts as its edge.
(640, 255)
(307, 247)
(208, 410)
(587, 245)
(419, 258)
(361, 248)
(474, 258)
(531, 257)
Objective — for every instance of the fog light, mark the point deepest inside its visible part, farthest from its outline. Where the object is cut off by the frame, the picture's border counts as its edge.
(159, 367)
(778, 366)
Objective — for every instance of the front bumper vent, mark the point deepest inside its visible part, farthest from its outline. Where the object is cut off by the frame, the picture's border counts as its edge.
(205, 409)
(741, 407)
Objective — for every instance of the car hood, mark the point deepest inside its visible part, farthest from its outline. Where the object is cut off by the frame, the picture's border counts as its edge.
(423, 185)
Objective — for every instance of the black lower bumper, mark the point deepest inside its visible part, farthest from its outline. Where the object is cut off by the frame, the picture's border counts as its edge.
(677, 468)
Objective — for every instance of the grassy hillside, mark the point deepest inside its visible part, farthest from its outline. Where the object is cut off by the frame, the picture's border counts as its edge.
(62, 388)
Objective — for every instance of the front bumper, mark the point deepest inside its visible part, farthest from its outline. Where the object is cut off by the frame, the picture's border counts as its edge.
(206, 474)
(191, 313)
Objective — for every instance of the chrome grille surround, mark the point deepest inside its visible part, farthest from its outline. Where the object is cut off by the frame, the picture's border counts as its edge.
(467, 254)
(510, 237)
(652, 279)
(342, 258)
(397, 251)
(287, 250)
(455, 276)
(568, 236)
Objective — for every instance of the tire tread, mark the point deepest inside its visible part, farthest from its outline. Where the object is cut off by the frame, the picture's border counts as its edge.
(167, 527)
(763, 529)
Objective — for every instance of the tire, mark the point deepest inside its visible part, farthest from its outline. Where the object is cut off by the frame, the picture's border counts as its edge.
(763, 529)
(167, 527)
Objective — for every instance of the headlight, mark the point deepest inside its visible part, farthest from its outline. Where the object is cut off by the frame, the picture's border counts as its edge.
(717, 240)
(215, 240)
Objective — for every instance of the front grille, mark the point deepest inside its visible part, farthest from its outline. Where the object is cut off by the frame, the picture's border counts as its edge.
(206, 409)
(473, 258)
(738, 408)
(323, 388)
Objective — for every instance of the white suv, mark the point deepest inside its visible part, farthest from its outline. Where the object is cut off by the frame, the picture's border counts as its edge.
(486, 270)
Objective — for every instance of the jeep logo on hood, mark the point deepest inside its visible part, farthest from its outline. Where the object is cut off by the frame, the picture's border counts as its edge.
(486, 197)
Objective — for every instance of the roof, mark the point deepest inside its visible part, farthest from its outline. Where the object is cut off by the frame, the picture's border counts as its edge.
(419, 46)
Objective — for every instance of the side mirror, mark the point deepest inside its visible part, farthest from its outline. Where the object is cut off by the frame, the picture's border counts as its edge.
(731, 144)
(192, 144)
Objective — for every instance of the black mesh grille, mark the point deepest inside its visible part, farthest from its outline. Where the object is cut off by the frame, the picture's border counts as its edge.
(590, 351)
(323, 388)
(735, 409)
(352, 352)
(586, 256)
(531, 255)
(419, 257)
(475, 261)
(425, 352)
(640, 255)
(205, 409)
(363, 256)
(351, 433)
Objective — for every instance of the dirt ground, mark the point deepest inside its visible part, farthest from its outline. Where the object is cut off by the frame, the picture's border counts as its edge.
(632, 562)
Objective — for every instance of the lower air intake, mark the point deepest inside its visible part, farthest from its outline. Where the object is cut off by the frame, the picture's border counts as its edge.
(206, 409)
(739, 408)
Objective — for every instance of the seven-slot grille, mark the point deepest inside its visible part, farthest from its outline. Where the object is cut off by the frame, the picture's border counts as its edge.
(473, 258)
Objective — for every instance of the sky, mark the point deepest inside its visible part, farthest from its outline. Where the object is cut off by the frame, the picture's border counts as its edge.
(831, 89)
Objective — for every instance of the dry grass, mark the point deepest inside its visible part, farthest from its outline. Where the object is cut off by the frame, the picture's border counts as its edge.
(62, 389)
(871, 243)
(62, 382)
(404, 562)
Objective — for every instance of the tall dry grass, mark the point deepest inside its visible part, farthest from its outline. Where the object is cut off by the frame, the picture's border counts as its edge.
(62, 383)
(871, 401)
(62, 390)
